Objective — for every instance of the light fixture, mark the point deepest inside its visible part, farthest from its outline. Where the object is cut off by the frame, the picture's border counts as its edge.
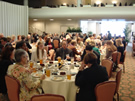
(64, 4)
(114, 2)
(51, 19)
(69, 19)
(35, 19)
(98, 2)
(89, 19)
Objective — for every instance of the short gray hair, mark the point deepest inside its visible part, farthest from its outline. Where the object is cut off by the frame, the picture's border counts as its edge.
(18, 54)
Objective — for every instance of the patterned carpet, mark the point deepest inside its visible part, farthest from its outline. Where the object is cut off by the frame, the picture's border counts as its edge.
(127, 85)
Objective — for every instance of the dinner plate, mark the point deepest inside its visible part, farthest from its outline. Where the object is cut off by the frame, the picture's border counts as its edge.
(57, 78)
(37, 75)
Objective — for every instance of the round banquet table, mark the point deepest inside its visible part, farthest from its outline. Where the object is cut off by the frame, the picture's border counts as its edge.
(66, 88)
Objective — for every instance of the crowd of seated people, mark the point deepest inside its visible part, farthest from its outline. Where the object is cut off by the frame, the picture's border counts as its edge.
(35, 47)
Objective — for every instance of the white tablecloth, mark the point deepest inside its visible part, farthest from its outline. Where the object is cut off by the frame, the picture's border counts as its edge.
(66, 88)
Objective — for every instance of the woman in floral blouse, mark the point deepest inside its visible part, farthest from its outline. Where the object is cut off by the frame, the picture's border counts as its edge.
(28, 86)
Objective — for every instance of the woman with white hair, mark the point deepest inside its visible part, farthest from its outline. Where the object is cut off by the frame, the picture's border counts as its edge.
(28, 86)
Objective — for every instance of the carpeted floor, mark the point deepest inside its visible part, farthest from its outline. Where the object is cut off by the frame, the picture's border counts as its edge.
(127, 85)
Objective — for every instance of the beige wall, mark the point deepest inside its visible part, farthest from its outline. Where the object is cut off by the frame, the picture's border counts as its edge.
(53, 26)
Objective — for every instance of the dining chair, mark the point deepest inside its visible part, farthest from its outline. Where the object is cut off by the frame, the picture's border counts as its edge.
(118, 79)
(105, 91)
(133, 48)
(109, 65)
(116, 56)
(13, 87)
(123, 63)
(48, 97)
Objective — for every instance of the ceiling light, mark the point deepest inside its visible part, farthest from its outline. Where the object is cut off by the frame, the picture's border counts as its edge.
(98, 2)
(69, 19)
(64, 4)
(51, 19)
(114, 2)
(35, 19)
(89, 19)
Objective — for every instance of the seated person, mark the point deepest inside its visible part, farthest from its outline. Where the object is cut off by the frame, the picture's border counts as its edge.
(93, 44)
(22, 45)
(71, 46)
(120, 48)
(28, 86)
(6, 59)
(39, 53)
(88, 78)
(110, 48)
(50, 48)
(89, 49)
(63, 51)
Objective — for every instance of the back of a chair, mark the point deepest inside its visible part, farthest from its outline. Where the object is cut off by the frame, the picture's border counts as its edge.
(56, 44)
(118, 78)
(105, 91)
(116, 56)
(124, 55)
(47, 97)
(108, 64)
(13, 88)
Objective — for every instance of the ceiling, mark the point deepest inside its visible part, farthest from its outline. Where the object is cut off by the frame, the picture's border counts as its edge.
(83, 13)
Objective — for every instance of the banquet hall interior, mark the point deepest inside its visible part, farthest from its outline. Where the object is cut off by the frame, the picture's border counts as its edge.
(57, 36)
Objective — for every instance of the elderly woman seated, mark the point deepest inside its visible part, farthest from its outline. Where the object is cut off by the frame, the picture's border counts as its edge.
(28, 86)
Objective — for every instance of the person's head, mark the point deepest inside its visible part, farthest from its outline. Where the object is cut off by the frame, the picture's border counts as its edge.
(78, 40)
(3, 40)
(21, 56)
(89, 49)
(48, 40)
(94, 35)
(118, 42)
(73, 42)
(28, 36)
(40, 37)
(21, 45)
(98, 37)
(40, 45)
(23, 37)
(69, 40)
(92, 43)
(64, 44)
(13, 37)
(8, 39)
(19, 37)
(7, 53)
(109, 43)
(90, 58)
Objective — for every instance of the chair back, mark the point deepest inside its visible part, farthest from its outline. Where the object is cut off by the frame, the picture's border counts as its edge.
(13, 88)
(116, 56)
(109, 65)
(47, 97)
(118, 78)
(124, 55)
(105, 91)
(56, 44)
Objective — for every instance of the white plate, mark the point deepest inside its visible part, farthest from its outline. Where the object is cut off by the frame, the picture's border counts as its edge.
(57, 78)
(37, 75)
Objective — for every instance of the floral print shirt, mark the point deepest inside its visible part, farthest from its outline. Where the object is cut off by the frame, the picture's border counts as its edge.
(28, 85)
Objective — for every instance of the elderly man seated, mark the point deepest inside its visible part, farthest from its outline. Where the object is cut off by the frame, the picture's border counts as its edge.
(64, 52)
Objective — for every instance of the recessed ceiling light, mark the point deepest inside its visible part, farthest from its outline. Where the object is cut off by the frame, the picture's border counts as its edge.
(89, 19)
(69, 19)
(51, 19)
(35, 19)
(114, 2)
(64, 4)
